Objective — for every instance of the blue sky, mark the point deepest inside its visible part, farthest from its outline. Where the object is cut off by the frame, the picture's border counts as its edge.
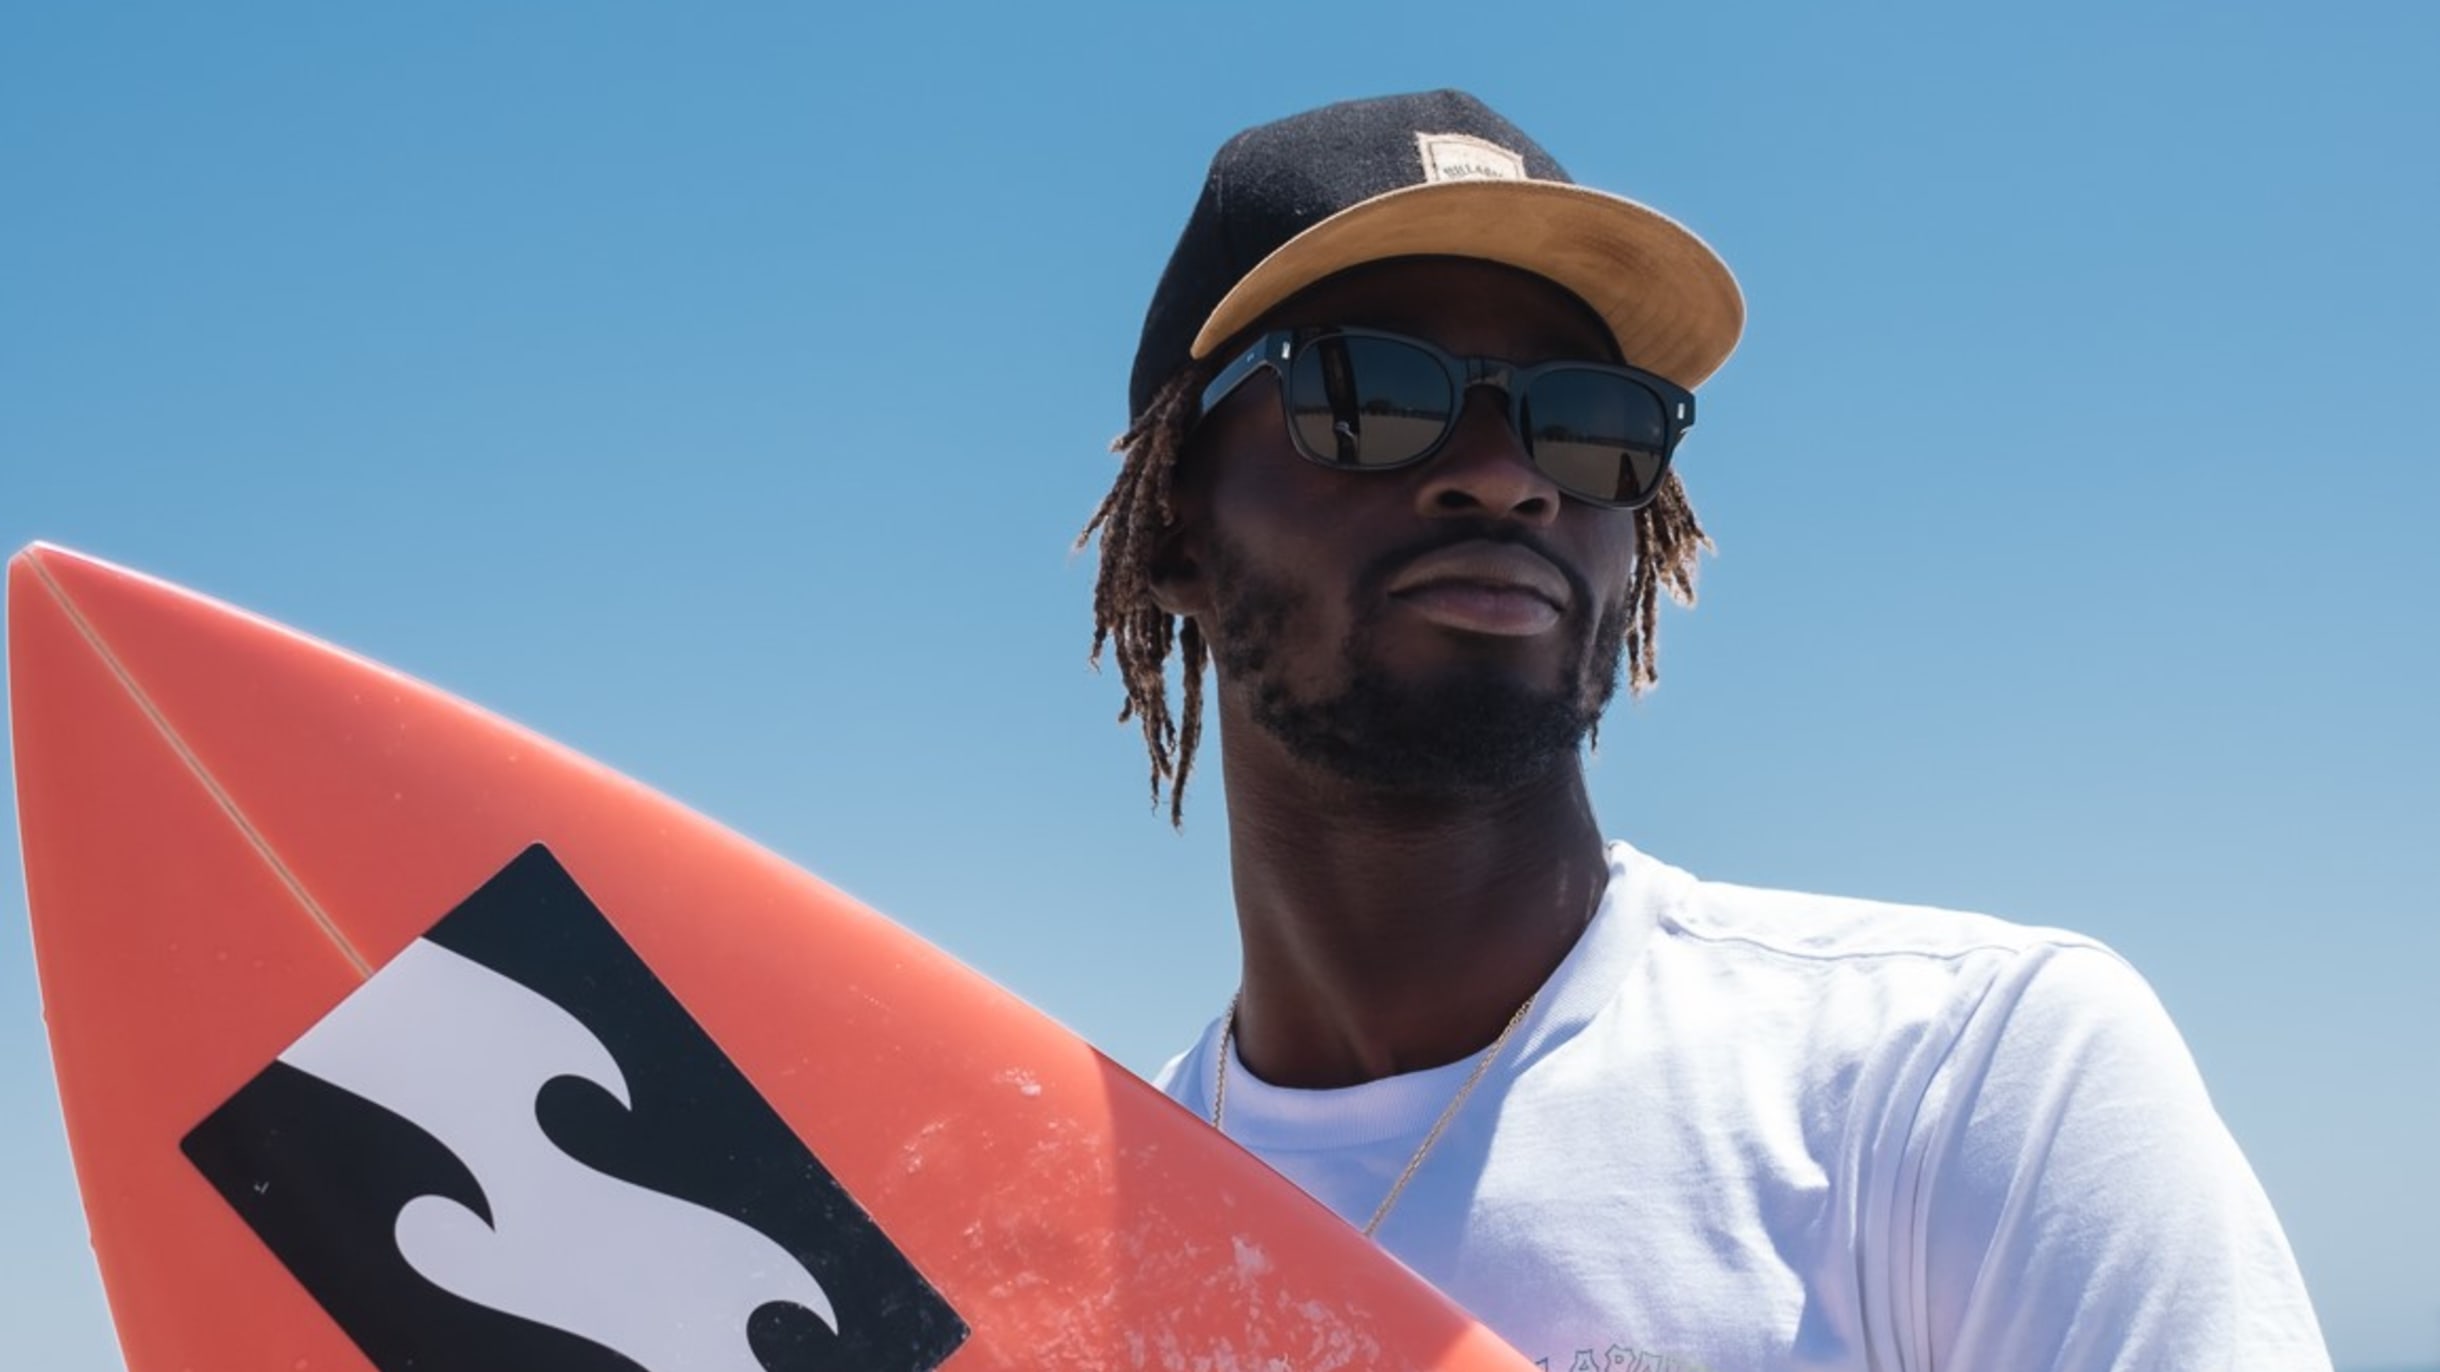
(718, 392)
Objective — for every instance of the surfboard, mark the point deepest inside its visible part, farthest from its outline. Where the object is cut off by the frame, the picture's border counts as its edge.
(391, 1035)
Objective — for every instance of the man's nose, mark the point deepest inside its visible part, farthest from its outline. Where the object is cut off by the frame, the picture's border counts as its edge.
(1483, 469)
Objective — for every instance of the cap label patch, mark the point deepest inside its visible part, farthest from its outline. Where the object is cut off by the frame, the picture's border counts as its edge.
(512, 1148)
(1462, 157)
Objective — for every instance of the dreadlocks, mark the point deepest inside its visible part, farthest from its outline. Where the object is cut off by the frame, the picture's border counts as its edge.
(1140, 634)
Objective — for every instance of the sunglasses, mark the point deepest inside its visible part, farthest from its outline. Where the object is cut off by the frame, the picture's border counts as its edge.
(1371, 401)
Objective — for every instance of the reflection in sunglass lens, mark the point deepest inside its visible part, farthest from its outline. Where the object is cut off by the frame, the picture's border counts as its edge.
(1367, 402)
(1596, 433)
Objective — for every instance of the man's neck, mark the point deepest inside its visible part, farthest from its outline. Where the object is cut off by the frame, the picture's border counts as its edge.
(1386, 934)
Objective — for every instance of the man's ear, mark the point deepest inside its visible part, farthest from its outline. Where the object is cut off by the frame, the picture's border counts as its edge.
(1176, 574)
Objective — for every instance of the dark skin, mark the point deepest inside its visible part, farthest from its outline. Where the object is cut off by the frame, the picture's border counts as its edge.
(1390, 928)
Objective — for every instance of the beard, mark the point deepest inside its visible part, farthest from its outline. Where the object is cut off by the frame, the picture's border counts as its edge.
(1467, 731)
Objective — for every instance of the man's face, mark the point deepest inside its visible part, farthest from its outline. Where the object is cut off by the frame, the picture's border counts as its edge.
(1453, 627)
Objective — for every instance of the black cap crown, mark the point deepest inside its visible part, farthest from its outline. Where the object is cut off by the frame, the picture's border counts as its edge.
(1274, 181)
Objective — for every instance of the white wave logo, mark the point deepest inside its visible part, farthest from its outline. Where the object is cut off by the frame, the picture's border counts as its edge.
(463, 1051)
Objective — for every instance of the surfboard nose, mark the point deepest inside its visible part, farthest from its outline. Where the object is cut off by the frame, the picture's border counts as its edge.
(167, 953)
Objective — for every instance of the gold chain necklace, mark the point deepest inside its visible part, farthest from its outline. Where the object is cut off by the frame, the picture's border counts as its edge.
(1228, 1036)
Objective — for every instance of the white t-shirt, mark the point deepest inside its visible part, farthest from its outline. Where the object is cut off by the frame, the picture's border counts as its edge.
(1746, 1130)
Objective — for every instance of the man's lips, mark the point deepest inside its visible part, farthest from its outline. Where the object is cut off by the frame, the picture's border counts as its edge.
(1486, 588)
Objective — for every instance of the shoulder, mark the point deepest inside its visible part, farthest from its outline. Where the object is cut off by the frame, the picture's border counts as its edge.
(1805, 926)
(1187, 1077)
(2033, 1145)
(1967, 1015)
(1884, 962)
(1897, 1000)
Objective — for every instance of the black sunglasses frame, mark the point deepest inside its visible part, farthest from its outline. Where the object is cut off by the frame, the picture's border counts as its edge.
(1274, 352)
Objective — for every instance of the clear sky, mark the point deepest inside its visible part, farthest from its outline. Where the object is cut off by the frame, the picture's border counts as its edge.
(717, 389)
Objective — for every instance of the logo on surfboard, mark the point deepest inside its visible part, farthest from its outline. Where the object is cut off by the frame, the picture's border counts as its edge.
(512, 1148)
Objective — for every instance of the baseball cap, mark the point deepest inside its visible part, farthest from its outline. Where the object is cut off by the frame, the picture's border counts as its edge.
(1438, 173)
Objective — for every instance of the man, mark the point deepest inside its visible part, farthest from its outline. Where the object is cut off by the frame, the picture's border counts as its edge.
(1398, 474)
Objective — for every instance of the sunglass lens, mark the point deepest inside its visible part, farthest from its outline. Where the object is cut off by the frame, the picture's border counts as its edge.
(1367, 402)
(1598, 434)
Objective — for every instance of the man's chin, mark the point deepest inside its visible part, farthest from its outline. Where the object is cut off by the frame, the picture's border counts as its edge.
(1459, 734)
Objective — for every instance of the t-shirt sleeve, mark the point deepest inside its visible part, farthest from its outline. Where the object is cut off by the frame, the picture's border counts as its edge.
(2077, 1204)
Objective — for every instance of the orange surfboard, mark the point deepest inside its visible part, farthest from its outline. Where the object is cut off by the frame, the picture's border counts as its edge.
(390, 1035)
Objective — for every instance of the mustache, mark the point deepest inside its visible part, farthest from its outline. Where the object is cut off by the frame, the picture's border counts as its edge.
(1375, 575)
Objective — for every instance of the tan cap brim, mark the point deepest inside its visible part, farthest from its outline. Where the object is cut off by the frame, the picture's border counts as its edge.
(1667, 296)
